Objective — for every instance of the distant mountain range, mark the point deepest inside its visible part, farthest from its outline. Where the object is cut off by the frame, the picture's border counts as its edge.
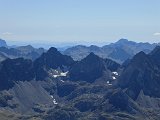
(55, 87)
(27, 52)
(119, 51)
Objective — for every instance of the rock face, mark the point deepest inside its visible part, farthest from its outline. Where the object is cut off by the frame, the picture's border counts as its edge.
(155, 55)
(120, 100)
(28, 96)
(141, 74)
(111, 65)
(12, 70)
(89, 69)
(120, 54)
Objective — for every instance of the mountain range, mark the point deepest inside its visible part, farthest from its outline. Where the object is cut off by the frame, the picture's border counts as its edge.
(119, 51)
(53, 86)
(12, 52)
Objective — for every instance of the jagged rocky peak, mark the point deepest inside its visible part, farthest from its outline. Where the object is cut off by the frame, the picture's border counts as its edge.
(91, 68)
(52, 59)
(88, 69)
(140, 59)
(92, 56)
(93, 59)
(140, 55)
(142, 73)
(52, 50)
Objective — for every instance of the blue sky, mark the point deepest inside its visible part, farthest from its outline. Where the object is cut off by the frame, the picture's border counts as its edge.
(79, 21)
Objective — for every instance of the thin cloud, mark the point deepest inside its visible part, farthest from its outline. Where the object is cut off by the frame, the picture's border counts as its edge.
(157, 34)
(7, 33)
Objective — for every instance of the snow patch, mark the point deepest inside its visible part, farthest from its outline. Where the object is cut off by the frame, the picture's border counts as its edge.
(55, 76)
(54, 102)
(56, 71)
(115, 73)
(62, 80)
(51, 96)
(63, 74)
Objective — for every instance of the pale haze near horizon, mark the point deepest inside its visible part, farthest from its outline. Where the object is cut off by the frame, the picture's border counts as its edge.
(83, 21)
